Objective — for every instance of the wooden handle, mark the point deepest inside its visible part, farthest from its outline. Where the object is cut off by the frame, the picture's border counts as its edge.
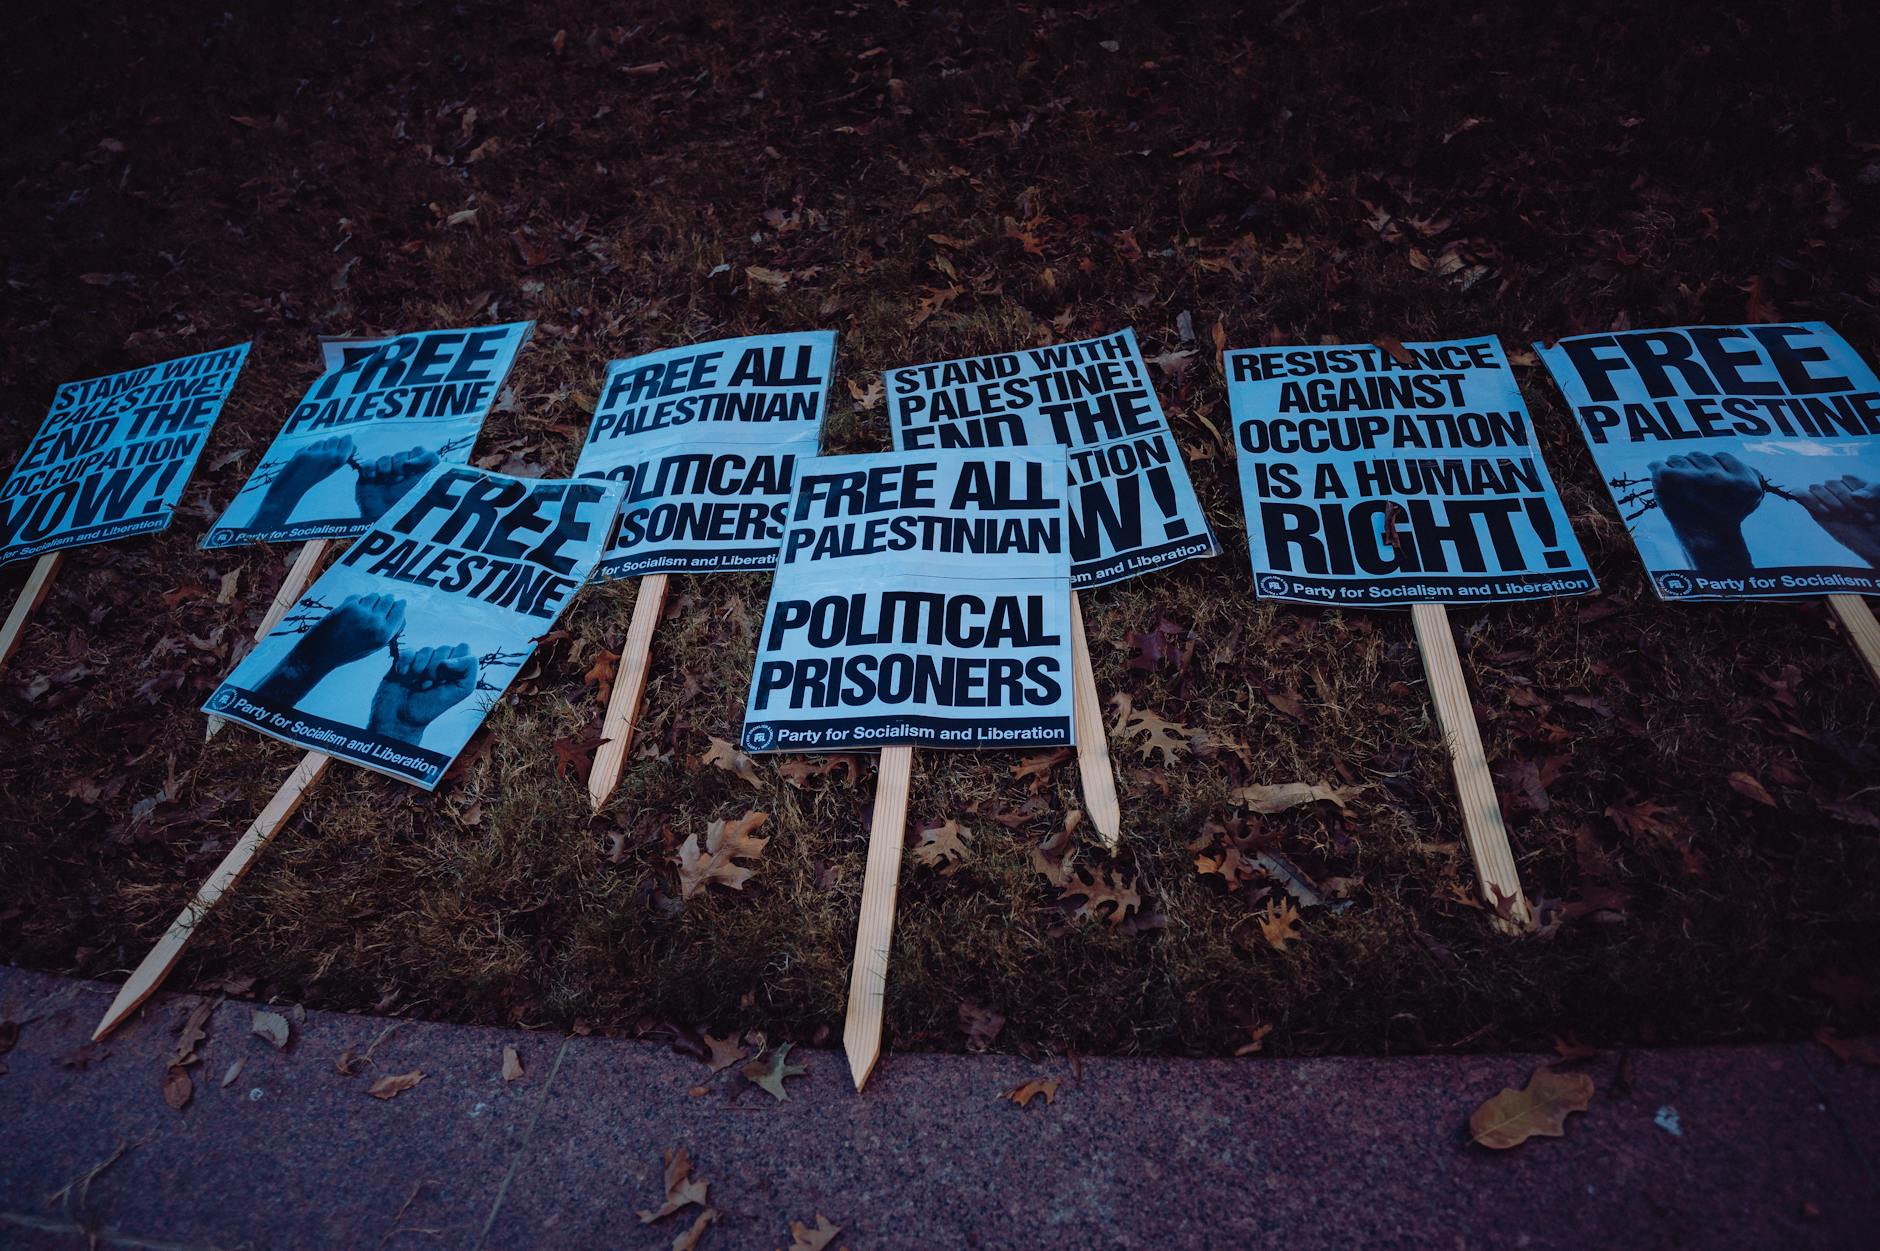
(1475, 789)
(300, 575)
(156, 966)
(32, 595)
(623, 706)
(1093, 742)
(874, 933)
(1857, 619)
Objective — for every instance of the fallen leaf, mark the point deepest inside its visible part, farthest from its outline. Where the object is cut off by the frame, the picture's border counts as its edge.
(770, 1074)
(1847, 1050)
(512, 1065)
(1022, 1095)
(1280, 924)
(1256, 1039)
(1158, 735)
(723, 755)
(1541, 1108)
(945, 847)
(600, 675)
(1746, 784)
(866, 396)
(1055, 858)
(1038, 768)
(688, 1240)
(177, 1088)
(725, 842)
(1103, 890)
(233, 1071)
(273, 1027)
(194, 1031)
(775, 279)
(725, 1052)
(681, 1187)
(391, 1086)
(1279, 796)
(803, 1238)
(574, 756)
(981, 1025)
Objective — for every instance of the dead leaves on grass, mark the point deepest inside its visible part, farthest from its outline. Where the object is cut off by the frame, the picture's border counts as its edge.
(1156, 734)
(725, 843)
(1540, 1109)
(723, 755)
(1106, 896)
(946, 847)
(1279, 796)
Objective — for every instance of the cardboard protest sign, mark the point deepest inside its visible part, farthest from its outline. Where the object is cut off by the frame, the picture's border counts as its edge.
(383, 415)
(1745, 459)
(705, 440)
(394, 656)
(1132, 507)
(1370, 481)
(921, 599)
(113, 454)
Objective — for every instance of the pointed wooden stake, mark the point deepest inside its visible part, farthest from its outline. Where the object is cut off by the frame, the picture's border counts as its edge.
(623, 706)
(1475, 790)
(1093, 741)
(1858, 620)
(156, 966)
(868, 977)
(300, 576)
(32, 595)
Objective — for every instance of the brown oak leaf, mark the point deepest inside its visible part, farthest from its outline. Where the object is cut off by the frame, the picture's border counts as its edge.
(391, 1087)
(1279, 796)
(1280, 924)
(945, 847)
(1541, 1108)
(1156, 734)
(803, 1238)
(1038, 768)
(725, 842)
(1023, 1094)
(1104, 889)
(682, 1188)
(723, 755)
(770, 1073)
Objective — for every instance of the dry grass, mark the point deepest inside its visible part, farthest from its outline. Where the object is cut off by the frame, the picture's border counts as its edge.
(1680, 166)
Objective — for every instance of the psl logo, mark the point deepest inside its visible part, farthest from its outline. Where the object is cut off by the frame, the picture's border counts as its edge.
(222, 699)
(1273, 584)
(758, 737)
(1674, 584)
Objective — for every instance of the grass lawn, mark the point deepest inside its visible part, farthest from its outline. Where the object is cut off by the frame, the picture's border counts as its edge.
(937, 181)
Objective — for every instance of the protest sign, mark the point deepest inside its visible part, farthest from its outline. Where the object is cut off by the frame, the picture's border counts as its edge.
(921, 599)
(396, 654)
(382, 416)
(1132, 508)
(1371, 479)
(1131, 505)
(705, 440)
(113, 454)
(1376, 476)
(1744, 459)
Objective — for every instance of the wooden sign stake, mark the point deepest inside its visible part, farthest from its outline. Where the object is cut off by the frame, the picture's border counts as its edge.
(868, 977)
(156, 966)
(1093, 741)
(1475, 790)
(300, 575)
(623, 706)
(1858, 620)
(32, 595)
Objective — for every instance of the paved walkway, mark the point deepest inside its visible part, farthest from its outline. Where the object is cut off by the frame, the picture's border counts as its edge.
(1754, 1147)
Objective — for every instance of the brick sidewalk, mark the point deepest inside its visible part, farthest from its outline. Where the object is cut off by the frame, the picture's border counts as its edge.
(1752, 1147)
